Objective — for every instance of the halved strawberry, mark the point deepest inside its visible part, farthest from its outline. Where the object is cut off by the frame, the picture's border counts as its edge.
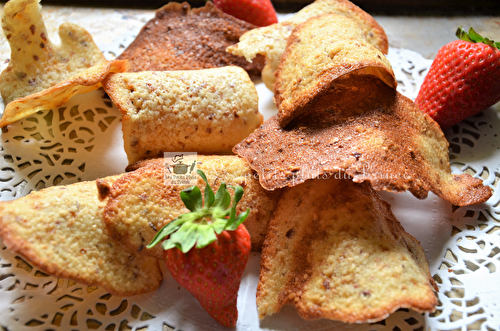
(206, 250)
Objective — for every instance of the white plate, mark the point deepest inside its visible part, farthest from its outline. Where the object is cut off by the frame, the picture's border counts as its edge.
(82, 141)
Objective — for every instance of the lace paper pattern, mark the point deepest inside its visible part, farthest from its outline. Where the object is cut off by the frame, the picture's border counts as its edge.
(57, 146)
(81, 141)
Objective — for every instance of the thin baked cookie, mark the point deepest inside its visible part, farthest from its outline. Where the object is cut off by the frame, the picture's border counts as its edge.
(141, 202)
(84, 81)
(368, 131)
(318, 52)
(60, 230)
(270, 41)
(181, 38)
(207, 111)
(37, 65)
(334, 250)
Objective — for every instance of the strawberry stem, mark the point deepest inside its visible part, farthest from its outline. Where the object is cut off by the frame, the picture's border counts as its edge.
(474, 37)
(204, 222)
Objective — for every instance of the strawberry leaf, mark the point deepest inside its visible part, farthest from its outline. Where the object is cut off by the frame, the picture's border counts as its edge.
(165, 232)
(462, 34)
(209, 193)
(202, 224)
(222, 197)
(210, 237)
(238, 220)
(232, 222)
(474, 37)
(192, 198)
(219, 225)
(184, 238)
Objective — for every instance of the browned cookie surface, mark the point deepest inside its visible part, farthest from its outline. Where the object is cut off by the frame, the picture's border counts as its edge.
(369, 131)
(61, 231)
(335, 250)
(181, 38)
(207, 111)
(318, 52)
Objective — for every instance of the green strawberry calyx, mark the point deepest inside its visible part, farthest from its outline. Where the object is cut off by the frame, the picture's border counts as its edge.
(205, 221)
(474, 37)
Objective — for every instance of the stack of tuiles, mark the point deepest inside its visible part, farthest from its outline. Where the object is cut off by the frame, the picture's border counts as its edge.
(338, 111)
(343, 132)
(331, 247)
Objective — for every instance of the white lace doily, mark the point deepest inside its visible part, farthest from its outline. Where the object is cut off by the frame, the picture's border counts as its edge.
(82, 141)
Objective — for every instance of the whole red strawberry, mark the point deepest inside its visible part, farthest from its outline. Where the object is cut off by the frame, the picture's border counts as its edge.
(257, 12)
(213, 273)
(206, 250)
(463, 80)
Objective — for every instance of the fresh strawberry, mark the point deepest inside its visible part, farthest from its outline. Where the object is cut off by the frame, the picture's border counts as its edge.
(213, 273)
(463, 80)
(257, 12)
(206, 250)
